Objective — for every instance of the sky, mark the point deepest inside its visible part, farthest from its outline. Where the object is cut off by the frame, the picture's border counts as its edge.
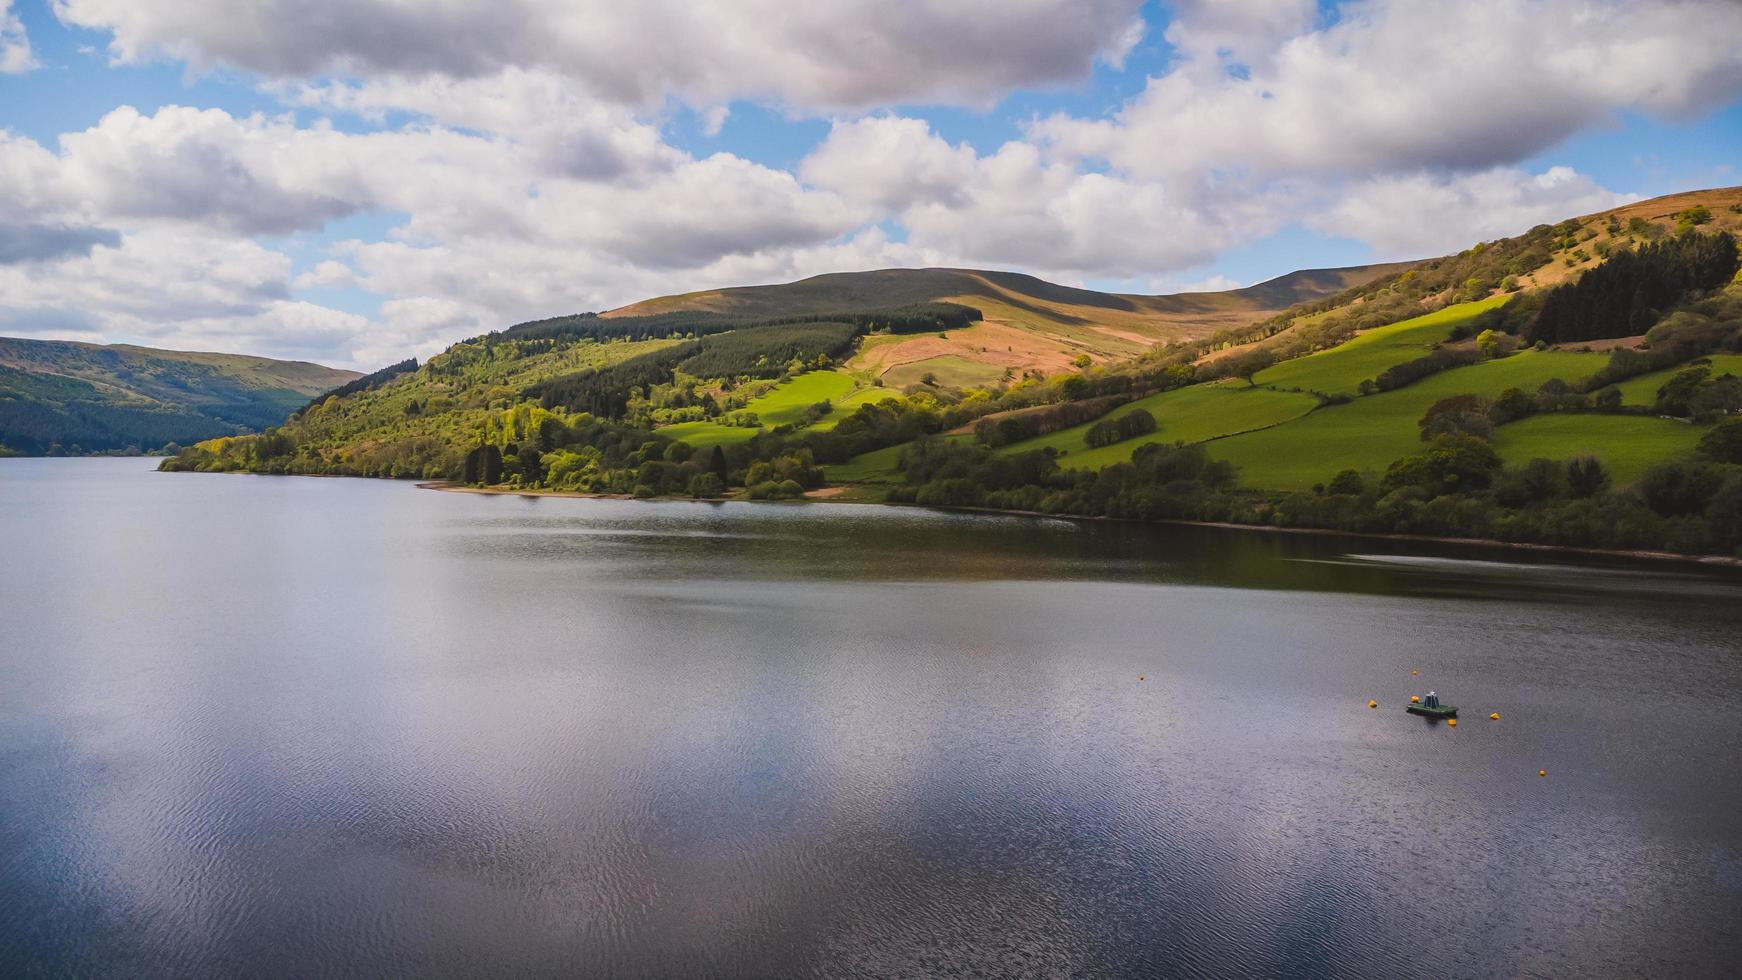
(357, 181)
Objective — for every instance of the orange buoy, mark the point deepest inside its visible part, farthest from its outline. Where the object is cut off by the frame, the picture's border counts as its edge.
(1415, 673)
(1139, 676)
(1451, 722)
(1542, 772)
(1372, 704)
(1494, 717)
(1415, 699)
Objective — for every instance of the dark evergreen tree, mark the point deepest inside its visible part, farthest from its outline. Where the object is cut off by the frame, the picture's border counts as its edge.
(1630, 291)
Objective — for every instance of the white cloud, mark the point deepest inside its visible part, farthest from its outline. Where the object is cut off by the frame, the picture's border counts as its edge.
(891, 162)
(327, 274)
(517, 147)
(1013, 207)
(714, 119)
(15, 53)
(38, 243)
(820, 54)
(1423, 214)
(495, 229)
(1237, 34)
(564, 130)
(1408, 84)
(178, 288)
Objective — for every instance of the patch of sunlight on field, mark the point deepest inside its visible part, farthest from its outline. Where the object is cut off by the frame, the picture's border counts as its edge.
(704, 435)
(1341, 369)
(785, 404)
(1193, 414)
(846, 406)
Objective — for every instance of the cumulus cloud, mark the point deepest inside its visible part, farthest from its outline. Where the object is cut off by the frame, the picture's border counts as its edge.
(565, 131)
(1013, 207)
(494, 229)
(184, 289)
(37, 243)
(1407, 84)
(15, 54)
(518, 150)
(820, 54)
(891, 162)
(1424, 214)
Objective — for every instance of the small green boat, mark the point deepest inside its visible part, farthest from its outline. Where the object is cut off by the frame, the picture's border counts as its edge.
(1431, 707)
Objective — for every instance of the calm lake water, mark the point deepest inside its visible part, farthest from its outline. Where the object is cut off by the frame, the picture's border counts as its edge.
(290, 727)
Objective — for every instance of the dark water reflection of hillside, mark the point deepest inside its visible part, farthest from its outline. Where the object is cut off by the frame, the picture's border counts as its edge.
(297, 727)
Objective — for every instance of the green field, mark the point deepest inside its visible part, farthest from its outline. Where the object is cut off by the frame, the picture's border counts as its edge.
(1369, 433)
(1627, 444)
(704, 435)
(877, 466)
(1191, 414)
(846, 406)
(1342, 368)
(783, 405)
(1643, 389)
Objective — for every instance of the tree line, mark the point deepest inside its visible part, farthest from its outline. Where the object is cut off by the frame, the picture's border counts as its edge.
(914, 318)
(373, 379)
(1632, 289)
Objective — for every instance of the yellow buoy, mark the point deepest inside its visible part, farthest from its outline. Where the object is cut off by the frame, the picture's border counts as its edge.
(1494, 717)
(1542, 772)
(1452, 722)
(1415, 673)
(1372, 704)
(1415, 699)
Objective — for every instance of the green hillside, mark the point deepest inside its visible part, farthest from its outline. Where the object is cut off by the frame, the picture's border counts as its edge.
(62, 396)
(1341, 369)
(1192, 414)
(1491, 393)
(1028, 324)
(1369, 433)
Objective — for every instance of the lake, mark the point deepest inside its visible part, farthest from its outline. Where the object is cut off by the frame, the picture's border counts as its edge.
(296, 727)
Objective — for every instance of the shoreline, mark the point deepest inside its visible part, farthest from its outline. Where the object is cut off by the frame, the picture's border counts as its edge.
(1709, 561)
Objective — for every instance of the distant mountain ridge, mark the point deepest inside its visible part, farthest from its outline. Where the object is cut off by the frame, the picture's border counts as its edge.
(1030, 323)
(68, 396)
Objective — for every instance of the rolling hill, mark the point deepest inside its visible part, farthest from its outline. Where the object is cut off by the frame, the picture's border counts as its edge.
(1303, 401)
(64, 396)
(1029, 324)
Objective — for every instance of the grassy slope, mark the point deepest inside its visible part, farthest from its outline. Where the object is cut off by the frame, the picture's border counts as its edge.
(1627, 444)
(949, 370)
(877, 466)
(1030, 323)
(705, 435)
(1643, 389)
(108, 397)
(1191, 414)
(1341, 369)
(454, 389)
(784, 405)
(1369, 433)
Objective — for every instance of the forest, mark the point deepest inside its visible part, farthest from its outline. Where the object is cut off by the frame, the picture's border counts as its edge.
(374, 379)
(1632, 289)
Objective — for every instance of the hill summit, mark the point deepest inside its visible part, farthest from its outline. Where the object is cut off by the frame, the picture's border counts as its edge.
(1029, 323)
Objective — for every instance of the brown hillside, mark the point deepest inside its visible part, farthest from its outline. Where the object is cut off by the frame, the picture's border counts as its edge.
(1030, 323)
